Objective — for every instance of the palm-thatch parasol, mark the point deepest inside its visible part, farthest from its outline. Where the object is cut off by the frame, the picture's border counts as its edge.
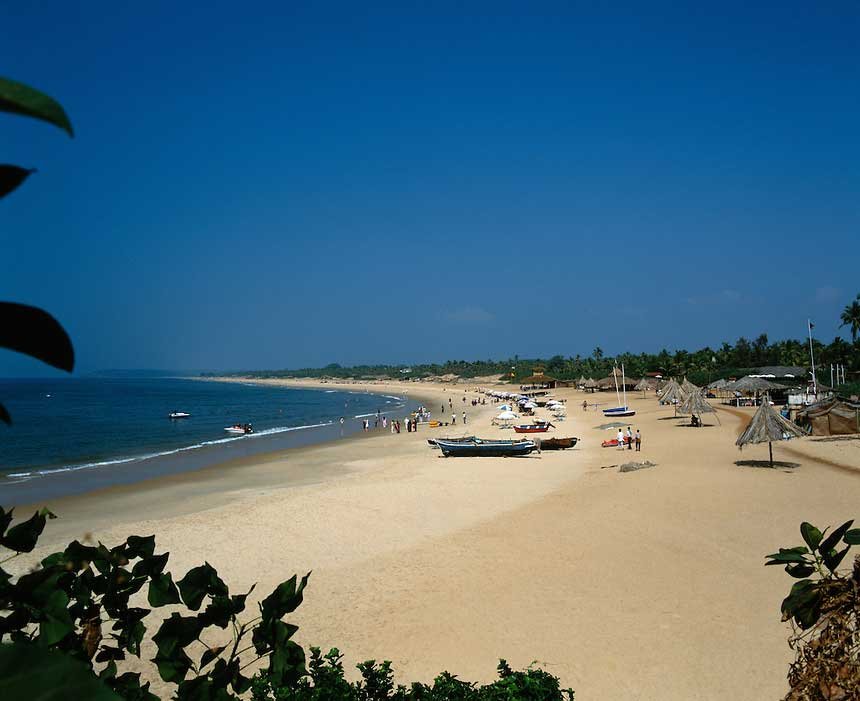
(644, 385)
(768, 426)
(591, 384)
(718, 384)
(671, 392)
(696, 405)
(689, 387)
(581, 381)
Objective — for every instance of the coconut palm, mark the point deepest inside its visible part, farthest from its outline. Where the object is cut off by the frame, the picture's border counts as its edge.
(851, 317)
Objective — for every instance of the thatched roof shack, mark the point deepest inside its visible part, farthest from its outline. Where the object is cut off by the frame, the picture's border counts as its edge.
(538, 379)
(768, 426)
(590, 384)
(609, 382)
(832, 417)
(753, 384)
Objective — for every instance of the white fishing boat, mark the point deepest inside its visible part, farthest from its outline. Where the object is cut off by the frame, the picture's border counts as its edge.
(622, 409)
(178, 415)
(239, 429)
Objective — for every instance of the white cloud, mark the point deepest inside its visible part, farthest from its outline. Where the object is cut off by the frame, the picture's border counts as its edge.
(468, 315)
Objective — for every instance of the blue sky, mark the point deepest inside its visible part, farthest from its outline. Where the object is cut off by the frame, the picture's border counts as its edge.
(277, 185)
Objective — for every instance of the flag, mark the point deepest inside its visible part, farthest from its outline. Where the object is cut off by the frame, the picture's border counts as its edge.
(811, 325)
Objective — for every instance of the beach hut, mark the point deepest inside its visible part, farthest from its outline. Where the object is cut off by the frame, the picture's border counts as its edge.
(539, 381)
(590, 384)
(834, 416)
(768, 426)
(696, 405)
(581, 382)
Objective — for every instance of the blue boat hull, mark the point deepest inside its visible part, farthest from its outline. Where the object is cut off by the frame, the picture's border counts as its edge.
(485, 448)
(619, 411)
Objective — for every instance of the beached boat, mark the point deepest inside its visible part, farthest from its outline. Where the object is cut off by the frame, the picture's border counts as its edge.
(557, 443)
(178, 415)
(622, 409)
(240, 429)
(540, 427)
(480, 447)
(432, 441)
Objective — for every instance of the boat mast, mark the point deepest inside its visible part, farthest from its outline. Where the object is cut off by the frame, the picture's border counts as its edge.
(624, 385)
(615, 377)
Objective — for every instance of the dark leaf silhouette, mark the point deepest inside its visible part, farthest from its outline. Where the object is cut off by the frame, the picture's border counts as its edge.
(33, 331)
(11, 178)
(4, 416)
(18, 98)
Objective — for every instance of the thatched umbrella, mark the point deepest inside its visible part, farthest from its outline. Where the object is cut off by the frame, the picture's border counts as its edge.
(644, 385)
(591, 384)
(768, 426)
(671, 392)
(718, 384)
(581, 381)
(689, 387)
(696, 405)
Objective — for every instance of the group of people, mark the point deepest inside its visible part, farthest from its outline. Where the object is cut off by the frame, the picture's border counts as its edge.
(629, 439)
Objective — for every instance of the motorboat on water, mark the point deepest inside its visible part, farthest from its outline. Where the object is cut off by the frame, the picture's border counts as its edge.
(622, 409)
(178, 415)
(480, 447)
(240, 429)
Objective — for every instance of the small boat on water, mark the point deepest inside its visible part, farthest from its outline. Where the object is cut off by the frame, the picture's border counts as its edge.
(557, 443)
(539, 427)
(178, 415)
(240, 429)
(479, 447)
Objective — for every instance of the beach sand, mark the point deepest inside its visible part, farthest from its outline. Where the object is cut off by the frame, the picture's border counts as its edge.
(641, 585)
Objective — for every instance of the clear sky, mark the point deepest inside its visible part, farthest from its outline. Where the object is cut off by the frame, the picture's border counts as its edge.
(287, 184)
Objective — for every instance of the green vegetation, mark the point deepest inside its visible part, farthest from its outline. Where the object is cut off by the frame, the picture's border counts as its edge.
(824, 608)
(68, 626)
(700, 367)
(23, 328)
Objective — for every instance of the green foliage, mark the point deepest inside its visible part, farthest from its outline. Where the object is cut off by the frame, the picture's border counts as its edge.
(59, 676)
(326, 681)
(17, 98)
(23, 328)
(821, 556)
(68, 626)
(824, 608)
(81, 602)
(699, 366)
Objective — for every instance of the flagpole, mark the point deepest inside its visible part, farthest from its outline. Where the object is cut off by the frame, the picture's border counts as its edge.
(812, 360)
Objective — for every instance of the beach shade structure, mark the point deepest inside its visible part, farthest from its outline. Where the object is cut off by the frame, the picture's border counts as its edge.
(505, 407)
(689, 387)
(590, 384)
(506, 417)
(581, 381)
(696, 405)
(672, 393)
(718, 384)
(644, 385)
(753, 384)
(768, 426)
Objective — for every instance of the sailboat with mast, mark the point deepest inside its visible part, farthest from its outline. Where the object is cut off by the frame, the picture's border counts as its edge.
(622, 409)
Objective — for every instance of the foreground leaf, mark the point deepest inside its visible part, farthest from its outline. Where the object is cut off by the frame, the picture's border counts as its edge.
(11, 178)
(33, 331)
(31, 672)
(17, 98)
(811, 535)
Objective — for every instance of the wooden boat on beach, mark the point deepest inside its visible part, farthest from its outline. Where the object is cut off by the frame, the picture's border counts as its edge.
(432, 441)
(479, 447)
(557, 443)
(540, 427)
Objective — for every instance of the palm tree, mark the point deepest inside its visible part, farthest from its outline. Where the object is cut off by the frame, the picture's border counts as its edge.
(851, 317)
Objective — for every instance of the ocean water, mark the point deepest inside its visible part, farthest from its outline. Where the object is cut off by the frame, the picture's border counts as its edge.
(77, 434)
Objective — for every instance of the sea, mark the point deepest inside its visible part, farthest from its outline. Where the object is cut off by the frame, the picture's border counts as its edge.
(74, 435)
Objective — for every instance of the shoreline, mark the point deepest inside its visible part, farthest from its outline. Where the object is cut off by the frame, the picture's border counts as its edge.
(649, 584)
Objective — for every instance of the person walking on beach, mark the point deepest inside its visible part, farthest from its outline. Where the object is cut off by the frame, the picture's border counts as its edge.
(629, 439)
(454, 418)
(638, 440)
(464, 418)
(620, 439)
(585, 405)
(392, 426)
